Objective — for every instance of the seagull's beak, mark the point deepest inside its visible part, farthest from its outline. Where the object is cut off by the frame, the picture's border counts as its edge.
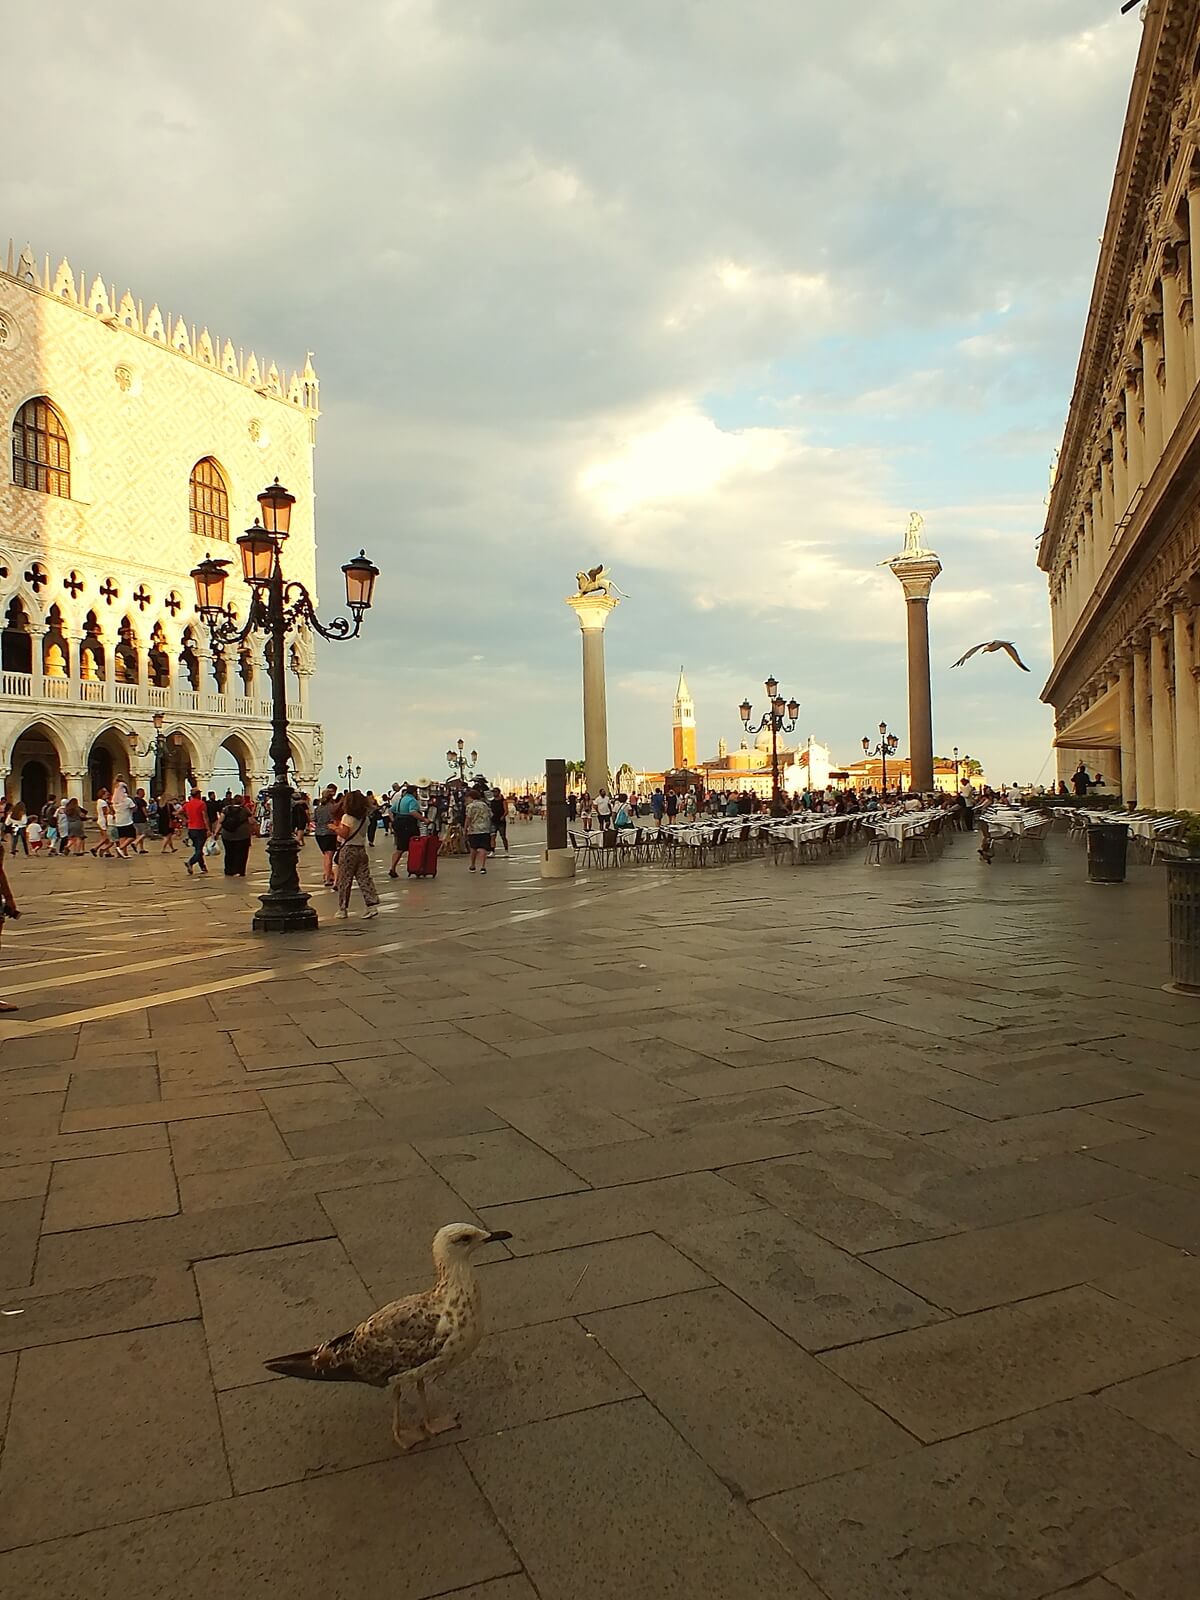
(497, 1237)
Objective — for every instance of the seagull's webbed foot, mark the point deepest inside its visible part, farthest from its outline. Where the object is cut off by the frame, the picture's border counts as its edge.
(443, 1424)
(409, 1438)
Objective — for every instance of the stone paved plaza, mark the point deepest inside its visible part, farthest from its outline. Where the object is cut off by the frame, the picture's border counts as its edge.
(853, 1219)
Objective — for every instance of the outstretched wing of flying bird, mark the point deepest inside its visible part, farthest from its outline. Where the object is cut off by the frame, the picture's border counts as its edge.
(989, 647)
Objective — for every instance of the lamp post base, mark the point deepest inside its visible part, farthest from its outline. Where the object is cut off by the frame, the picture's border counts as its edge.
(284, 913)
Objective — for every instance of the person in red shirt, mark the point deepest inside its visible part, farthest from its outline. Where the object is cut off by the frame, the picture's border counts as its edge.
(196, 816)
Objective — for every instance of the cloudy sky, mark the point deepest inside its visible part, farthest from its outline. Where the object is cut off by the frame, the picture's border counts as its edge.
(715, 291)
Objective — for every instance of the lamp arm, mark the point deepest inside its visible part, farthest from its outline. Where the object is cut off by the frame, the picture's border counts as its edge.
(224, 630)
(298, 607)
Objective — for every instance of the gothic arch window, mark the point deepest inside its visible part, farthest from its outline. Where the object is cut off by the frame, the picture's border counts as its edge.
(41, 451)
(208, 501)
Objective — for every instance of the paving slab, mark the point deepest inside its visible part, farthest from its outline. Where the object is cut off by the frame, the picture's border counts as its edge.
(129, 1421)
(99, 1190)
(310, 1175)
(86, 1256)
(751, 1105)
(1169, 1291)
(407, 1529)
(700, 1149)
(847, 1209)
(127, 1116)
(529, 1289)
(111, 1086)
(1006, 1513)
(760, 1412)
(20, 1225)
(16, 1151)
(988, 1144)
(215, 1144)
(815, 1293)
(1168, 1402)
(143, 1299)
(268, 1303)
(662, 1206)
(1165, 1573)
(994, 1364)
(560, 1121)
(492, 1169)
(1163, 1212)
(991, 1195)
(1170, 1160)
(441, 1112)
(546, 1481)
(24, 1183)
(312, 1105)
(989, 1266)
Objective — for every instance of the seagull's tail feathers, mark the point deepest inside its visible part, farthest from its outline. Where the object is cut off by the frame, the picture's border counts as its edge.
(325, 1363)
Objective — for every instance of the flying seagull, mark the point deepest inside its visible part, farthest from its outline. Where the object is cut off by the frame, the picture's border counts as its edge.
(995, 644)
(410, 1341)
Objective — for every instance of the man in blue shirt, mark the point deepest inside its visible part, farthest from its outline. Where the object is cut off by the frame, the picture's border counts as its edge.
(406, 823)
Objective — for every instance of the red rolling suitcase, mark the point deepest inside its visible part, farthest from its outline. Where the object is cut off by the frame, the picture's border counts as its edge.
(422, 856)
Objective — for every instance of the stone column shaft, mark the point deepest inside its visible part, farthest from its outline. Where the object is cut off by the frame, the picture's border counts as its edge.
(1143, 728)
(1128, 736)
(1193, 202)
(1152, 397)
(1163, 718)
(1134, 437)
(1175, 397)
(1187, 711)
(1120, 473)
(920, 700)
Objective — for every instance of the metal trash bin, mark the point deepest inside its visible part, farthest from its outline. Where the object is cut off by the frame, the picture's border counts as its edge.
(1107, 843)
(1183, 925)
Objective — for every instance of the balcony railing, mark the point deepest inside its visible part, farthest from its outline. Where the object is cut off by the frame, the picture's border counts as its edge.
(132, 697)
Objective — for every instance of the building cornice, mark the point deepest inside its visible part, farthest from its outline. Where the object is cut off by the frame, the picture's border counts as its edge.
(127, 315)
(1160, 69)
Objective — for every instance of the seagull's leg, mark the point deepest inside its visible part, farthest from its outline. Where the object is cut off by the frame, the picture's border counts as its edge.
(433, 1425)
(405, 1437)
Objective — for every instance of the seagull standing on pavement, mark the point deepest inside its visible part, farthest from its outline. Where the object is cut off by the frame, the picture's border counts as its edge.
(410, 1341)
(995, 644)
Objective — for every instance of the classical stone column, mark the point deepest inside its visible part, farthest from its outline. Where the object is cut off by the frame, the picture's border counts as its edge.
(1175, 397)
(1134, 438)
(1187, 708)
(1143, 726)
(1128, 733)
(37, 637)
(916, 567)
(1120, 472)
(1152, 394)
(1162, 685)
(593, 611)
(73, 782)
(1193, 203)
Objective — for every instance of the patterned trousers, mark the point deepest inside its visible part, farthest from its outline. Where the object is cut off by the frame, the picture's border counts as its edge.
(352, 868)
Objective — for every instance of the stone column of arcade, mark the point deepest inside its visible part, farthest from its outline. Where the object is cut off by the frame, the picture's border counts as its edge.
(916, 568)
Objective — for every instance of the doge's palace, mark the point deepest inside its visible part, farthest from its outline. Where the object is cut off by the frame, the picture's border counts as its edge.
(136, 445)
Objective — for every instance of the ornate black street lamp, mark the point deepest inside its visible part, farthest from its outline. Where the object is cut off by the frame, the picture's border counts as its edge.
(349, 774)
(276, 607)
(956, 769)
(886, 747)
(780, 717)
(156, 747)
(459, 763)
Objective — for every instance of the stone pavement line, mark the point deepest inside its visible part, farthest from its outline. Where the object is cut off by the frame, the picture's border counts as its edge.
(717, 1368)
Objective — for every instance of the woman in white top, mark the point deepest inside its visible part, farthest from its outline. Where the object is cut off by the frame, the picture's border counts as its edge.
(104, 821)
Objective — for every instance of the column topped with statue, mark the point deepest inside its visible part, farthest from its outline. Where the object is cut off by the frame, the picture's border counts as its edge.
(916, 566)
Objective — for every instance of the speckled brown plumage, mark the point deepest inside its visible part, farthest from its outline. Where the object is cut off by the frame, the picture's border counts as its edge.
(409, 1341)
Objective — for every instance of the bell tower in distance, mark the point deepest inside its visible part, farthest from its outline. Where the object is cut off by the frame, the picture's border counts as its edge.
(684, 726)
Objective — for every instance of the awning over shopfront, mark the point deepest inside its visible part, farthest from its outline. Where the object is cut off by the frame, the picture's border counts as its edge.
(1098, 728)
